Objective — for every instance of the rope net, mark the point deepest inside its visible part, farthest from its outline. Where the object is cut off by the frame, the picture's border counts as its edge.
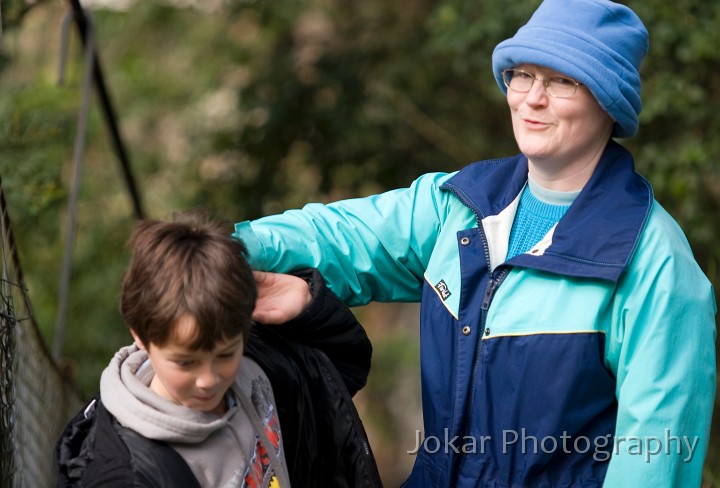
(35, 400)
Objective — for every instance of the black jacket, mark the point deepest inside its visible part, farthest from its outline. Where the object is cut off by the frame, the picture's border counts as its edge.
(315, 364)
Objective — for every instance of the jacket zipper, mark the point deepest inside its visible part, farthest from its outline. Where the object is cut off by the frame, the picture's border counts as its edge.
(494, 282)
(495, 279)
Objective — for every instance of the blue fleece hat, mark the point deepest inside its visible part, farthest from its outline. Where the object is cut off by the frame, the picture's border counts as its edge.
(599, 43)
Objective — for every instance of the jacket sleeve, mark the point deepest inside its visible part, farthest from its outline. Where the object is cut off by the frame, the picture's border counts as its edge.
(327, 325)
(323, 437)
(662, 350)
(373, 248)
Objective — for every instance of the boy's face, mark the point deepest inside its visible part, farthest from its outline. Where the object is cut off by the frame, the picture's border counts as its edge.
(196, 379)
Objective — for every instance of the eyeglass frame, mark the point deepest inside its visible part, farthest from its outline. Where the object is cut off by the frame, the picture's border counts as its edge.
(545, 81)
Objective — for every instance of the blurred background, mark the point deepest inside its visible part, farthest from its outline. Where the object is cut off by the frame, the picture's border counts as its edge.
(250, 107)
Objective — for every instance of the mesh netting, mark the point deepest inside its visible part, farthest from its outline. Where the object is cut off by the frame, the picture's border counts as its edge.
(35, 401)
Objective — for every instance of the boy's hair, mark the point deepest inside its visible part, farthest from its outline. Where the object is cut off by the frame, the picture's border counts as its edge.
(190, 266)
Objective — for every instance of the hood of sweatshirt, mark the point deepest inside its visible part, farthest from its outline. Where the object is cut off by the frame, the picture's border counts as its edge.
(244, 445)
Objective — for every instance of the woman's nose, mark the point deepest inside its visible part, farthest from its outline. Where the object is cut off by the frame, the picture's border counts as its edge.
(538, 94)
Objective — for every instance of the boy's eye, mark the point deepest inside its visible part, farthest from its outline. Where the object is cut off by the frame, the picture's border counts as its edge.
(184, 363)
(226, 355)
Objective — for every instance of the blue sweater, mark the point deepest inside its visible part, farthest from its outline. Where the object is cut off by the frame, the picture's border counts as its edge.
(539, 210)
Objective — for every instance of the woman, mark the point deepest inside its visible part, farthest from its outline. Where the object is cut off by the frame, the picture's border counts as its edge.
(567, 333)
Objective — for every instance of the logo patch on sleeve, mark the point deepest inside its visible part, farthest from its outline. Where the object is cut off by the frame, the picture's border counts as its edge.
(442, 290)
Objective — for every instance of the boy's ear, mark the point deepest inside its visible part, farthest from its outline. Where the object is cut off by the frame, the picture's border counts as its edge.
(137, 339)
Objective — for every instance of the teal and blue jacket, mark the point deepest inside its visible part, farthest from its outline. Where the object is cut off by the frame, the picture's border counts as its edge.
(587, 361)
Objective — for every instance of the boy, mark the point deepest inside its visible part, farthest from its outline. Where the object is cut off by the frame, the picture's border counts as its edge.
(183, 406)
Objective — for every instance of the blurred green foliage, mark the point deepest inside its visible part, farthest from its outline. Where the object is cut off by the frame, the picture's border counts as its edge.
(265, 105)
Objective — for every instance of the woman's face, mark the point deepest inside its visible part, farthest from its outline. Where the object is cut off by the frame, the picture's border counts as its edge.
(560, 135)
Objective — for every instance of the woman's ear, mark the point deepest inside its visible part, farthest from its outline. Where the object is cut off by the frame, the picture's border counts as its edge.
(137, 340)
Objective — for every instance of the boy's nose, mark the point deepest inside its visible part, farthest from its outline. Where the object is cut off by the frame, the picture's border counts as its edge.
(208, 378)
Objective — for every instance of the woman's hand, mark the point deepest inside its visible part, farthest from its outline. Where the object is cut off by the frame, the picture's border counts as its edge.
(281, 297)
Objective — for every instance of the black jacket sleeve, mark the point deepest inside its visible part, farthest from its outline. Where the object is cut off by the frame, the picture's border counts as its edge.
(315, 364)
(328, 325)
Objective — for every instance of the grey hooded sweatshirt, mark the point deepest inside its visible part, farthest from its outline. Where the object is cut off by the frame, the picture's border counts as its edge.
(241, 448)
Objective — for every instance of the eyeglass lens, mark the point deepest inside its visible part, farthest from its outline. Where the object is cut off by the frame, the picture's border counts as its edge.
(521, 81)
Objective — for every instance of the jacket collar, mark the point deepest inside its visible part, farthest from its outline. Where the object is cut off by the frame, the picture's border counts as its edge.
(599, 233)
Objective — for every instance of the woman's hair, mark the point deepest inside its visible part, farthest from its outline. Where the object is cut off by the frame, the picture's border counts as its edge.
(189, 266)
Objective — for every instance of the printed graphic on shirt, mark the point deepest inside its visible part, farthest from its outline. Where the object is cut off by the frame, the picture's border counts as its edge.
(443, 290)
(261, 396)
(259, 473)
